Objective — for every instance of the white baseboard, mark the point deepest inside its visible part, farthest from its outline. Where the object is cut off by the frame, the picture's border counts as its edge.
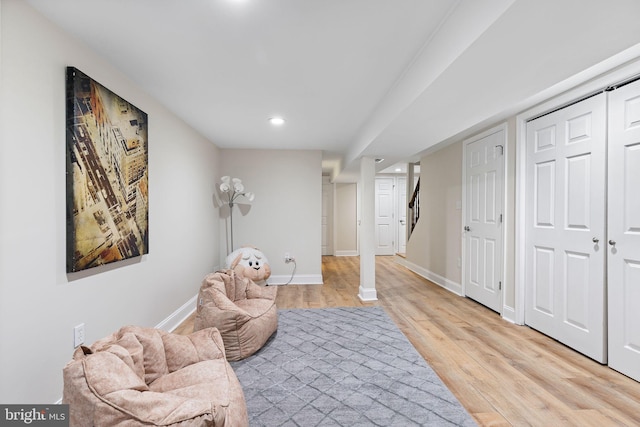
(509, 314)
(298, 279)
(346, 253)
(180, 315)
(368, 294)
(449, 285)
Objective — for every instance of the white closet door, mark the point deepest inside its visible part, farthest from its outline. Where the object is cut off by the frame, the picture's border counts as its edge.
(624, 230)
(483, 219)
(565, 226)
(385, 222)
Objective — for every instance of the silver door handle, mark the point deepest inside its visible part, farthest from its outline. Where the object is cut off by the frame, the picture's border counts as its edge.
(612, 242)
(402, 221)
(595, 240)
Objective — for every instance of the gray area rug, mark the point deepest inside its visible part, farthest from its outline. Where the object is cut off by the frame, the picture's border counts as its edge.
(344, 367)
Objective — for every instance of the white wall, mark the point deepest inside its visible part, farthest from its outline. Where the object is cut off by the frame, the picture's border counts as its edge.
(435, 244)
(39, 302)
(286, 215)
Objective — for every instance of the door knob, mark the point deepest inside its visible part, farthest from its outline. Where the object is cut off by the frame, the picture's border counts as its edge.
(595, 240)
(612, 242)
(466, 228)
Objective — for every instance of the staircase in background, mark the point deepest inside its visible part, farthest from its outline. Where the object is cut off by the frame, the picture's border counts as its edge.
(414, 208)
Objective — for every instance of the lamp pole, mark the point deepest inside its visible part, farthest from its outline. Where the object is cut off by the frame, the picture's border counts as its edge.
(231, 225)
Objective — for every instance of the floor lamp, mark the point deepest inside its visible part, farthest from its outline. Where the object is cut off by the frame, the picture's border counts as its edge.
(233, 188)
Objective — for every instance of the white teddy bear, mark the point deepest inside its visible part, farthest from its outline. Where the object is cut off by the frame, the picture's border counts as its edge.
(249, 262)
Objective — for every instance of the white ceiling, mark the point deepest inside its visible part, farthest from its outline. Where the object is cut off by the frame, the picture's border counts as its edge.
(382, 78)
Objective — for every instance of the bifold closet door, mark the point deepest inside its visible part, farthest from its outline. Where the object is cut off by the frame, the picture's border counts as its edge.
(624, 230)
(565, 226)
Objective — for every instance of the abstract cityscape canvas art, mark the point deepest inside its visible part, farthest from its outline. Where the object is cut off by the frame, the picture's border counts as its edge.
(107, 175)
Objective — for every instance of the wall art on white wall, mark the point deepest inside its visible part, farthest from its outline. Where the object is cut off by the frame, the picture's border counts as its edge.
(107, 175)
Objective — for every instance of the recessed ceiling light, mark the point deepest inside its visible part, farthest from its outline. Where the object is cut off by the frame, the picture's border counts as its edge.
(276, 121)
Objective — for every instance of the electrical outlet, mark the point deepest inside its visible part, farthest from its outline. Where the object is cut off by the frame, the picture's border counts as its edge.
(288, 258)
(78, 335)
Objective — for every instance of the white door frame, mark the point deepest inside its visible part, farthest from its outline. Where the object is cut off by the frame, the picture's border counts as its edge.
(503, 262)
(599, 83)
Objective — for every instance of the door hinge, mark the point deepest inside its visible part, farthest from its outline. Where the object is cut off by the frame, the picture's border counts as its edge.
(500, 218)
(499, 286)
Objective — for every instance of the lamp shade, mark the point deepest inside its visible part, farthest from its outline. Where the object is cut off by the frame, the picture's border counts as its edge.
(225, 187)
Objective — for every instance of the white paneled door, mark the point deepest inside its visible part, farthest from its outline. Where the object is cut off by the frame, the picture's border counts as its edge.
(483, 238)
(565, 226)
(624, 230)
(385, 208)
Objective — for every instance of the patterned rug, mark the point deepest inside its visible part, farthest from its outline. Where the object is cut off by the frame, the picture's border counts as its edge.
(343, 367)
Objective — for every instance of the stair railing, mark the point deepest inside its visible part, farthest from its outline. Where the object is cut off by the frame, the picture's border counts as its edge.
(414, 207)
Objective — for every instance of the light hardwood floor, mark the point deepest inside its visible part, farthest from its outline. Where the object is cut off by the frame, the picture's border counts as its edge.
(503, 374)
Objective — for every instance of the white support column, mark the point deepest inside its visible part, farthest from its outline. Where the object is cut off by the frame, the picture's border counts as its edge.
(367, 291)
